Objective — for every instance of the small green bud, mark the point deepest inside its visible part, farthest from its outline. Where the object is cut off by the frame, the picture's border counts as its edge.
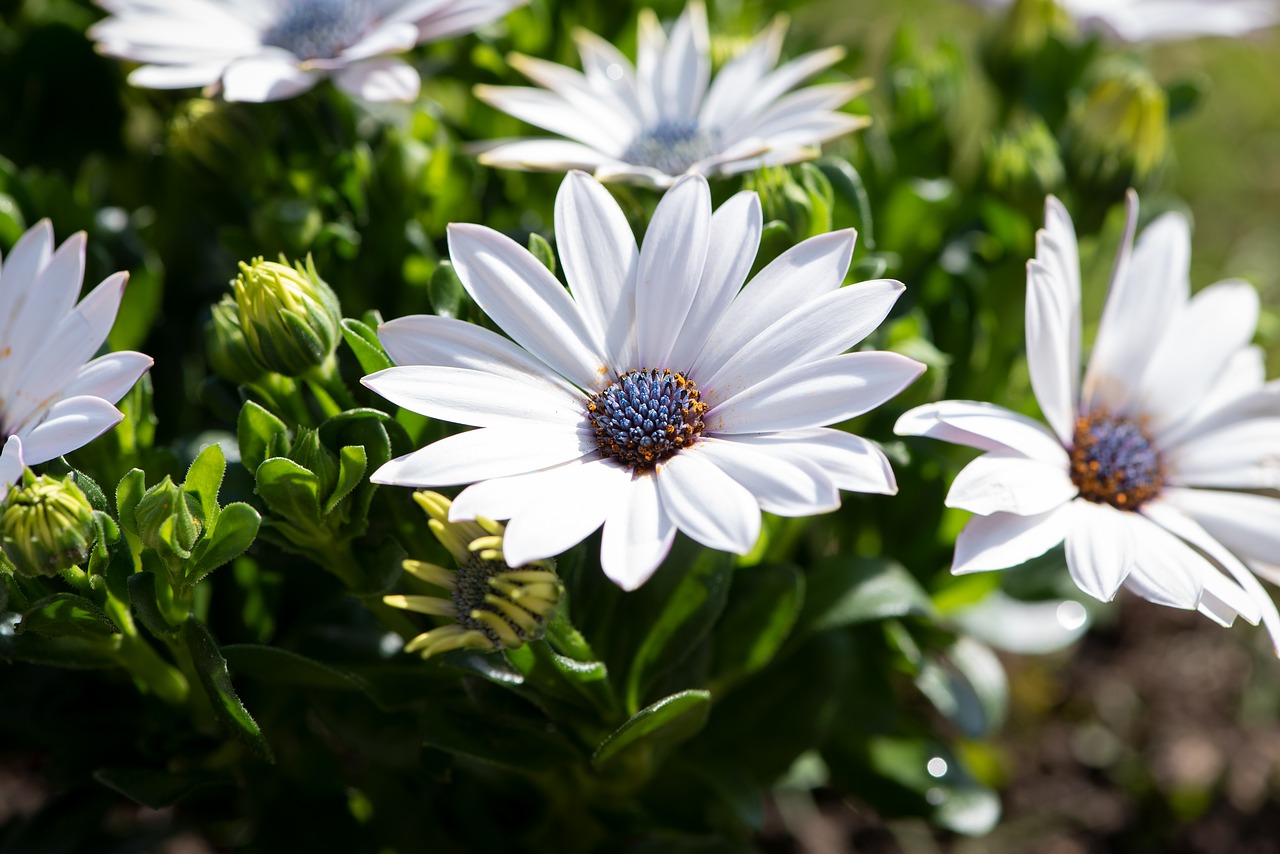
(307, 452)
(166, 523)
(225, 344)
(1120, 130)
(47, 526)
(290, 318)
(1024, 161)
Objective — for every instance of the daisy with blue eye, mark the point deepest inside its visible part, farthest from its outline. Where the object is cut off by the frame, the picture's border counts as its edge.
(1159, 466)
(267, 50)
(55, 396)
(658, 392)
(665, 116)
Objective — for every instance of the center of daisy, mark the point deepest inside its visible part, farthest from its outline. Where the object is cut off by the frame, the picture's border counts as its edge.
(319, 29)
(473, 592)
(1115, 461)
(646, 416)
(672, 146)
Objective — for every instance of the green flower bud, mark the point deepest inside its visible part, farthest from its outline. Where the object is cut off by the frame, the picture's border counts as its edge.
(225, 344)
(1120, 130)
(490, 605)
(1024, 161)
(166, 523)
(47, 526)
(290, 317)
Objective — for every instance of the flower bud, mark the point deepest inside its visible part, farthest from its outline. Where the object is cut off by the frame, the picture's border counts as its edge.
(290, 317)
(492, 605)
(225, 344)
(47, 526)
(1119, 131)
(166, 524)
(1024, 161)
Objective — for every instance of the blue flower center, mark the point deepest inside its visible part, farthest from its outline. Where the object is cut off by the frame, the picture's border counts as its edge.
(1115, 461)
(319, 29)
(672, 147)
(646, 416)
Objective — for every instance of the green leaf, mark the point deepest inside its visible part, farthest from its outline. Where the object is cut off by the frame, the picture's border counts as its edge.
(669, 721)
(211, 669)
(236, 529)
(290, 491)
(74, 653)
(445, 291)
(352, 463)
(541, 249)
(684, 619)
(158, 789)
(261, 435)
(847, 187)
(364, 344)
(67, 615)
(144, 598)
(91, 490)
(763, 605)
(277, 666)
(130, 491)
(821, 198)
(845, 591)
(204, 479)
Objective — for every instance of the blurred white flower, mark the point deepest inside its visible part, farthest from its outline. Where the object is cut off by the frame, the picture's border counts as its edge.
(54, 396)
(1153, 469)
(658, 392)
(665, 117)
(266, 50)
(1167, 20)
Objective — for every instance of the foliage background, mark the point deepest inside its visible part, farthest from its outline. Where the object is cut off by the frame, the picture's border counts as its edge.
(1158, 732)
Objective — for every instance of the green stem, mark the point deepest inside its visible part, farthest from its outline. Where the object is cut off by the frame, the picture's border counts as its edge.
(148, 669)
(567, 640)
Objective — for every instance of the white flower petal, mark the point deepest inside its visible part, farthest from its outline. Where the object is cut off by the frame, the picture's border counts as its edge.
(11, 465)
(672, 258)
(573, 505)
(799, 275)
(682, 75)
(1054, 368)
(521, 296)
(425, 339)
(778, 82)
(504, 497)
(1248, 524)
(379, 80)
(1001, 482)
(738, 79)
(1148, 290)
(608, 70)
(390, 37)
(69, 424)
(1167, 571)
(986, 426)
(637, 535)
(851, 462)
(488, 452)
(815, 394)
(600, 259)
(1100, 548)
(707, 504)
(550, 111)
(1242, 455)
(1217, 323)
(738, 224)
(478, 398)
(109, 377)
(780, 486)
(177, 76)
(1002, 540)
(829, 325)
(558, 155)
(269, 76)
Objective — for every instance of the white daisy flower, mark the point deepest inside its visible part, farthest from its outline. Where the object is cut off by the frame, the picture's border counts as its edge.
(1168, 20)
(1154, 469)
(664, 117)
(654, 394)
(267, 50)
(54, 396)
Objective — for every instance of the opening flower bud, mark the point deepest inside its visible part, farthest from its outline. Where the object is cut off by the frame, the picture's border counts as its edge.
(47, 526)
(166, 524)
(290, 317)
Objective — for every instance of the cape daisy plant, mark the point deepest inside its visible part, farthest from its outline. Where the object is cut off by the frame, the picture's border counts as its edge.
(266, 50)
(54, 396)
(1152, 466)
(658, 393)
(665, 117)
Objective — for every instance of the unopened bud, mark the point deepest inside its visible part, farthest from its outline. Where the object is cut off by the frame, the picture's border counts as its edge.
(166, 524)
(290, 318)
(47, 526)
